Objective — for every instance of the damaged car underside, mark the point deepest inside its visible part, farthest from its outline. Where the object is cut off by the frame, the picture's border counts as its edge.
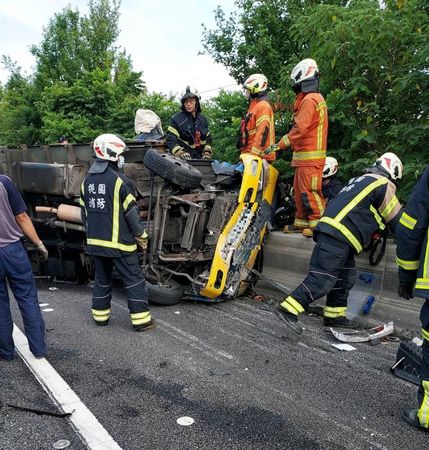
(206, 220)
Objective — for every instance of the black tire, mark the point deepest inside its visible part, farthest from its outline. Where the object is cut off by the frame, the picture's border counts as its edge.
(172, 169)
(167, 294)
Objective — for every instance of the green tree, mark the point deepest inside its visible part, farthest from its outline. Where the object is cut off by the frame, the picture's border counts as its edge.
(257, 37)
(374, 62)
(19, 120)
(83, 84)
(373, 59)
(224, 113)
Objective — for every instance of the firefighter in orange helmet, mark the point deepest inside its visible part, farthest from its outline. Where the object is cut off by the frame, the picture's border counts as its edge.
(257, 126)
(308, 140)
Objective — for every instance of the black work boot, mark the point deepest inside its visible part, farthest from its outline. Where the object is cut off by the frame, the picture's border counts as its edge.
(340, 322)
(145, 326)
(410, 416)
(287, 315)
(101, 323)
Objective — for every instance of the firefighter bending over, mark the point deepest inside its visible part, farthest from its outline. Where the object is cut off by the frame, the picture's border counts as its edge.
(412, 257)
(113, 229)
(363, 206)
(188, 136)
(331, 185)
(257, 127)
(308, 140)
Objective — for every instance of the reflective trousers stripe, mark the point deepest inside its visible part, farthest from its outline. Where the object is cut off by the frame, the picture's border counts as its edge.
(101, 315)
(423, 412)
(140, 318)
(334, 311)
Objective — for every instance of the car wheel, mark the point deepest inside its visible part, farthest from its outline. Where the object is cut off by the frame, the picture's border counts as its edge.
(172, 169)
(169, 293)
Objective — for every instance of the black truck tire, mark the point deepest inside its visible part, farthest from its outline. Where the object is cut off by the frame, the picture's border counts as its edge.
(172, 169)
(167, 294)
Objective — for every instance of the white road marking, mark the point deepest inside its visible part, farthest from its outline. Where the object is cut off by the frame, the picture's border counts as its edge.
(84, 422)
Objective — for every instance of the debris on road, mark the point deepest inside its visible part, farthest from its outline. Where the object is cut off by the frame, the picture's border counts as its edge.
(39, 411)
(62, 443)
(377, 332)
(185, 421)
(344, 347)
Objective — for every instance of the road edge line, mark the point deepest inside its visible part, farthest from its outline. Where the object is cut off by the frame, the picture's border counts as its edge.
(86, 425)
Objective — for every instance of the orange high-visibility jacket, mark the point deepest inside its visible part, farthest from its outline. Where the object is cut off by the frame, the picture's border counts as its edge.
(257, 130)
(309, 133)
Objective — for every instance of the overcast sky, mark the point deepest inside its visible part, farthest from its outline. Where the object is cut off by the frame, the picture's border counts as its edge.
(163, 38)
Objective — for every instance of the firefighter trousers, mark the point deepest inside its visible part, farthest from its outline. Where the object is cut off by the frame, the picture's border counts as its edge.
(132, 277)
(332, 273)
(309, 201)
(423, 391)
(15, 267)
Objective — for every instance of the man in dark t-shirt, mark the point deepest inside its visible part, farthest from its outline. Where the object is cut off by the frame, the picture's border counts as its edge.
(15, 267)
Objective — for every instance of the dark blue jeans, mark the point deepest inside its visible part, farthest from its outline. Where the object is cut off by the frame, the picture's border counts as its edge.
(15, 267)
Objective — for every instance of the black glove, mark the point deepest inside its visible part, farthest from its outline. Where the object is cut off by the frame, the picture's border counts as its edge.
(406, 291)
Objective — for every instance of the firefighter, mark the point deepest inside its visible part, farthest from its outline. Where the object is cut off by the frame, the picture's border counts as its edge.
(257, 127)
(113, 226)
(188, 136)
(331, 185)
(365, 204)
(308, 140)
(412, 257)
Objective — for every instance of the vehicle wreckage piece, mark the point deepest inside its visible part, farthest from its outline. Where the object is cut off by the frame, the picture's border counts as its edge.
(377, 332)
(241, 238)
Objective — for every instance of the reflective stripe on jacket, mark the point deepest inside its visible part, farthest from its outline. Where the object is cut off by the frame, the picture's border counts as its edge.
(258, 132)
(189, 133)
(363, 206)
(309, 133)
(105, 199)
(412, 251)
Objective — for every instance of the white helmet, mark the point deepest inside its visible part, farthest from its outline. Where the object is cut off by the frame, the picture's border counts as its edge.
(109, 147)
(189, 92)
(256, 83)
(391, 164)
(304, 70)
(330, 168)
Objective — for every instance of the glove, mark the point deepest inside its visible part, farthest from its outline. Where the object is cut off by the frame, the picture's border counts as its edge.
(406, 291)
(43, 251)
(142, 240)
(271, 149)
(207, 153)
(182, 154)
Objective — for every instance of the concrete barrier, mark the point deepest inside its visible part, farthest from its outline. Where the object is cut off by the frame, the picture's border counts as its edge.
(286, 259)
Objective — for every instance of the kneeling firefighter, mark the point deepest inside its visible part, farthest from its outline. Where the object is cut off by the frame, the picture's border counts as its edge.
(113, 229)
(364, 205)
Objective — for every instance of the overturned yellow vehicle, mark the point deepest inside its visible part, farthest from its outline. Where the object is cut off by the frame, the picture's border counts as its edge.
(206, 220)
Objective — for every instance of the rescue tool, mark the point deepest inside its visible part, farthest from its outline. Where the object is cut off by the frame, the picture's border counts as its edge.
(293, 325)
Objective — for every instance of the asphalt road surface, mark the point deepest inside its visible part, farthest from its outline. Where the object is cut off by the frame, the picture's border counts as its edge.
(234, 368)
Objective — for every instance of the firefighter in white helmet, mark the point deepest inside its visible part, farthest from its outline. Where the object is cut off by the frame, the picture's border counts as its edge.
(367, 203)
(331, 185)
(308, 140)
(257, 126)
(113, 230)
